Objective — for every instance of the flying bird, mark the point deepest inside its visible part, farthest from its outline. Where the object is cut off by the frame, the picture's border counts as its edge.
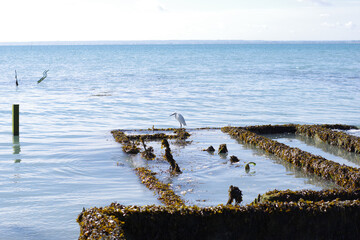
(180, 118)
(44, 76)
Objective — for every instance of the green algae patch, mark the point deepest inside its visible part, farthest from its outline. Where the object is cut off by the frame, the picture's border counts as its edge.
(342, 175)
(270, 220)
(166, 194)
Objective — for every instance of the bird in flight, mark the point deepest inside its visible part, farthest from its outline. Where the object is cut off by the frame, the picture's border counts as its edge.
(44, 76)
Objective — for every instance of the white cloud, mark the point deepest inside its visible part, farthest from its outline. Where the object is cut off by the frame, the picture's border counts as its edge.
(39, 20)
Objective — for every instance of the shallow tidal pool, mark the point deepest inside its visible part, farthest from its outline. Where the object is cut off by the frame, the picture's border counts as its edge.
(206, 177)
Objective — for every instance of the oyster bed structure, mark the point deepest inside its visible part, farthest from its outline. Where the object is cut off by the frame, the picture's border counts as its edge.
(305, 214)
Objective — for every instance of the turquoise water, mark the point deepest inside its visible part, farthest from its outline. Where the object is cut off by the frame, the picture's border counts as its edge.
(66, 159)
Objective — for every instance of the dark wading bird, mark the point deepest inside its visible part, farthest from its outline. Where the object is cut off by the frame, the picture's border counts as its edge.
(16, 79)
(180, 118)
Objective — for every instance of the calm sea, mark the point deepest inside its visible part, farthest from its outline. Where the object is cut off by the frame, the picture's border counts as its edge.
(65, 158)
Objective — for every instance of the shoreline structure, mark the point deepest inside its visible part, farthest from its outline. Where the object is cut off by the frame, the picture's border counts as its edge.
(326, 214)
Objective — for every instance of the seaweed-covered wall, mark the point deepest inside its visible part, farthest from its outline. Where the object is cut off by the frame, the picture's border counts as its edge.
(337, 138)
(272, 129)
(270, 220)
(308, 195)
(305, 214)
(347, 177)
(166, 194)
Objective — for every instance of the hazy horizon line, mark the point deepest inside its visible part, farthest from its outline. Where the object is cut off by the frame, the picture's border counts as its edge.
(164, 42)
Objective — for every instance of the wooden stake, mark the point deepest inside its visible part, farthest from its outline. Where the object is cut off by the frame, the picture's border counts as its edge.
(16, 123)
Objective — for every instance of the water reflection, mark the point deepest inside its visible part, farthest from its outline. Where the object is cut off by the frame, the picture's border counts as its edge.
(318, 147)
(292, 169)
(16, 148)
(337, 151)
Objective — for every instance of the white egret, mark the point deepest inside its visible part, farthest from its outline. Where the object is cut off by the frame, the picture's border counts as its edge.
(180, 118)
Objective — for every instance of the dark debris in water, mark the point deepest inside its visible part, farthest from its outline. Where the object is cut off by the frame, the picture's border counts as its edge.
(247, 166)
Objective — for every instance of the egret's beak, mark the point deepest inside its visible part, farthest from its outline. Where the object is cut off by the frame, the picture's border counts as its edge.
(172, 114)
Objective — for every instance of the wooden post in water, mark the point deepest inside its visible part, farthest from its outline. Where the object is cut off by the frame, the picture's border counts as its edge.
(15, 118)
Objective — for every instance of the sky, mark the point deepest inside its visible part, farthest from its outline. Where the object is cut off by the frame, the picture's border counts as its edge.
(123, 20)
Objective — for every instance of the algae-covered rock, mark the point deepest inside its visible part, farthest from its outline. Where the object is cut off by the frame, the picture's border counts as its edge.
(174, 167)
(210, 149)
(234, 194)
(148, 152)
(234, 159)
(222, 148)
